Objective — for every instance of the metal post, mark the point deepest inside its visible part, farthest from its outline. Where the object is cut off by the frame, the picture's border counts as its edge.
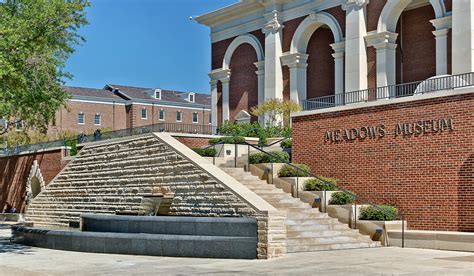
(214, 157)
(235, 155)
(403, 232)
(297, 185)
(355, 215)
(325, 201)
(272, 171)
(248, 157)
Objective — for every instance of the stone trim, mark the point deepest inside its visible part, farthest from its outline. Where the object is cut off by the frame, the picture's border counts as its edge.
(35, 171)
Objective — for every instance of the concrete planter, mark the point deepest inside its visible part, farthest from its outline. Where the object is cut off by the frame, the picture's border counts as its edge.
(317, 199)
(266, 171)
(378, 230)
(291, 184)
(228, 150)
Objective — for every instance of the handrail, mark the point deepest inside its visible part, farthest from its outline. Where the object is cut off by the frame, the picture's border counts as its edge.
(357, 198)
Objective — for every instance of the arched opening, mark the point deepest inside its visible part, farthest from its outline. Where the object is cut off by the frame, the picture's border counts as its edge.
(35, 186)
(320, 72)
(243, 86)
(416, 45)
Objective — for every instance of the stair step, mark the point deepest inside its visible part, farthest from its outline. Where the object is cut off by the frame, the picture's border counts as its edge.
(332, 246)
(321, 233)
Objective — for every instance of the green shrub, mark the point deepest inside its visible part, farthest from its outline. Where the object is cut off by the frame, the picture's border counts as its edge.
(341, 198)
(290, 171)
(209, 152)
(286, 144)
(253, 130)
(372, 213)
(315, 184)
(277, 157)
(228, 140)
(73, 145)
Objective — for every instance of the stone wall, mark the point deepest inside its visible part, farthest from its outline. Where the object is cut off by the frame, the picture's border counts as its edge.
(428, 175)
(14, 172)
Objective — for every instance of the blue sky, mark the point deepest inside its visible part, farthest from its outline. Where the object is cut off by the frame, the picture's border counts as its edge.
(146, 43)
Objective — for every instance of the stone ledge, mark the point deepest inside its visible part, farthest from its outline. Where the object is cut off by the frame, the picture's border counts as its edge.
(441, 240)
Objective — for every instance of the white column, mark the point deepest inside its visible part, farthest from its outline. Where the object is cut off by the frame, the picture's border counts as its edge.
(261, 85)
(441, 51)
(213, 103)
(442, 26)
(222, 75)
(386, 68)
(273, 52)
(338, 72)
(225, 99)
(298, 64)
(355, 50)
(463, 36)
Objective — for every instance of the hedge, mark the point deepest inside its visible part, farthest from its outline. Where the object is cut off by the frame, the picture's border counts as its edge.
(286, 144)
(341, 198)
(290, 171)
(372, 213)
(228, 140)
(277, 157)
(316, 184)
(209, 152)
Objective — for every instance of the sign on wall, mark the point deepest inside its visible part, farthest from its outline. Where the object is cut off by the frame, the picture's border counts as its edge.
(380, 131)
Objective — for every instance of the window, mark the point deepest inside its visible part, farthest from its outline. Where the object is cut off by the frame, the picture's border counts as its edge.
(158, 94)
(81, 118)
(191, 98)
(161, 115)
(210, 119)
(144, 114)
(195, 118)
(179, 116)
(97, 120)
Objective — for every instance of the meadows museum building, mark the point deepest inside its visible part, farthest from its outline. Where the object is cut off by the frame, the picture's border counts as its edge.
(386, 88)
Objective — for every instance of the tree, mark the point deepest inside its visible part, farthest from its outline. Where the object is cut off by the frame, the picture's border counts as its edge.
(36, 38)
(276, 111)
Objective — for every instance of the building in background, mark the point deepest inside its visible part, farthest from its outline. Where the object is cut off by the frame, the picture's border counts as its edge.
(119, 107)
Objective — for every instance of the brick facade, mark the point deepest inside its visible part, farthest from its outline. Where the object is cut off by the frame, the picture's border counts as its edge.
(14, 172)
(429, 177)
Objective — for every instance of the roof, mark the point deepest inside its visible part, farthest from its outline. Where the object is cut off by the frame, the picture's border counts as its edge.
(91, 92)
(142, 93)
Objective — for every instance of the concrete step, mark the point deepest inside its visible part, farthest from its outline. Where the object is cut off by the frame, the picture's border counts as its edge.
(312, 221)
(322, 233)
(331, 246)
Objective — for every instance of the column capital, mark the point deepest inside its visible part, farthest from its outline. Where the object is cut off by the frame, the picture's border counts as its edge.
(338, 55)
(442, 22)
(338, 47)
(273, 23)
(380, 38)
(222, 75)
(260, 68)
(295, 60)
(385, 46)
(441, 33)
(350, 5)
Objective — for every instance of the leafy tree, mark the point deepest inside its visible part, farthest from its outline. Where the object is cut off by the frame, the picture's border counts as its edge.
(36, 38)
(276, 111)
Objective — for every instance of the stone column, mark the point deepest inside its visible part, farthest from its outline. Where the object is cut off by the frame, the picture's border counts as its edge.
(463, 36)
(355, 49)
(297, 63)
(273, 52)
(261, 85)
(442, 26)
(338, 72)
(214, 103)
(225, 99)
(222, 75)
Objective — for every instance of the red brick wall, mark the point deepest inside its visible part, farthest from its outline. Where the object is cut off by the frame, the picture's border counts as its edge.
(14, 172)
(193, 142)
(320, 64)
(417, 45)
(428, 177)
(371, 67)
(289, 31)
(243, 80)
(340, 16)
(449, 5)
(374, 9)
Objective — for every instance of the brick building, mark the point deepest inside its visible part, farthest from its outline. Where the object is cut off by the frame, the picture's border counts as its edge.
(325, 49)
(119, 107)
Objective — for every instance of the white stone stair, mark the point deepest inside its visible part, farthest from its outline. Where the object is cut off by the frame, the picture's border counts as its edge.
(307, 228)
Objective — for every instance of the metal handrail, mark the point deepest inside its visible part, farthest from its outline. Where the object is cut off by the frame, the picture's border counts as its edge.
(391, 91)
(357, 198)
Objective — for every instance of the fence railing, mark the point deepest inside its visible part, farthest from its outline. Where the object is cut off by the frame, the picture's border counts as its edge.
(100, 136)
(392, 91)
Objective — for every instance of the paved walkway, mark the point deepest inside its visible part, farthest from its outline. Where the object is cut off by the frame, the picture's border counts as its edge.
(22, 260)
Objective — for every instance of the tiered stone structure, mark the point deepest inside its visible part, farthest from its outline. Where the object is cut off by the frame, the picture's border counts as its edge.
(114, 176)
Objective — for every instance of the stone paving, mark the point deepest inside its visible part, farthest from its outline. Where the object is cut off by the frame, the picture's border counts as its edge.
(22, 260)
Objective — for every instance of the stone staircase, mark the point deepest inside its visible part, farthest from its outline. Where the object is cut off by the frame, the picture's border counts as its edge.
(307, 228)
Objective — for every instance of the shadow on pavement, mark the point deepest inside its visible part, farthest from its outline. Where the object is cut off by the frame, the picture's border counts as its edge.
(8, 247)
